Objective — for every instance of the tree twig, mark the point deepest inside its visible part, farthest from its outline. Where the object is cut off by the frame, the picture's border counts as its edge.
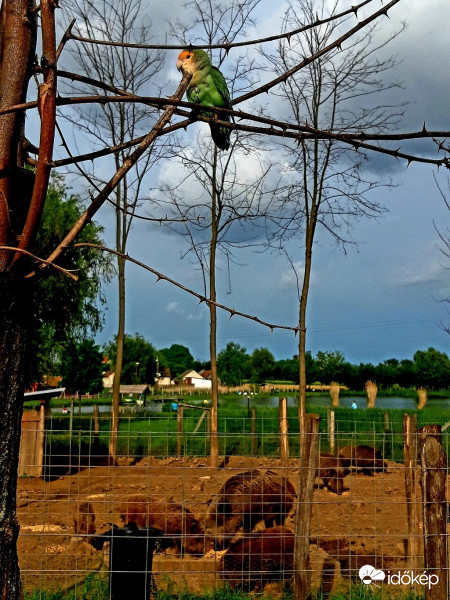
(41, 260)
(201, 297)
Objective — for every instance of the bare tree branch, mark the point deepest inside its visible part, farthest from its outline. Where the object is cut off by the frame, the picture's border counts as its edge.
(41, 260)
(123, 170)
(201, 297)
(227, 46)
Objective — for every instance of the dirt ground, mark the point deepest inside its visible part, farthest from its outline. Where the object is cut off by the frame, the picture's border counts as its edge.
(365, 525)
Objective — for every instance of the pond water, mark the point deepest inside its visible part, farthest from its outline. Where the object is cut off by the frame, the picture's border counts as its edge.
(272, 401)
(152, 407)
(346, 401)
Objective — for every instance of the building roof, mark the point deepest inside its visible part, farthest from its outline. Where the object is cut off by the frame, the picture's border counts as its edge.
(190, 373)
(53, 393)
(135, 389)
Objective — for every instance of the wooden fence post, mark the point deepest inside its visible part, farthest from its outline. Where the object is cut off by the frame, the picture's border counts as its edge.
(433, 461)
(331, 426)
(254, 439)
(409, 463)
(335, 388)
(179, 428)
(308, 464)
(387, 428)
(283, 426)
(96, 432)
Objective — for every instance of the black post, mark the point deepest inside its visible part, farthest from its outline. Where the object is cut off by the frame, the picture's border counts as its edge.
(130, 560)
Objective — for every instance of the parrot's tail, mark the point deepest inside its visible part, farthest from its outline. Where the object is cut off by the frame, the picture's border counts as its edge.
(220, 134)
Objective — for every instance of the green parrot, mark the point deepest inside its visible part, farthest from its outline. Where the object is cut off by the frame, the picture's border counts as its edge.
(208, 88)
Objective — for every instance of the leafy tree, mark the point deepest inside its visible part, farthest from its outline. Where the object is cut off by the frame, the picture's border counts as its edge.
(364, 372)
(286, 369)
(139, 359)
(406, 373)
(65, 309)
(432, 368)
(178, 358)
(233, 364)
(331, 366)
(262, 364)
(387, 372)
(82, 367)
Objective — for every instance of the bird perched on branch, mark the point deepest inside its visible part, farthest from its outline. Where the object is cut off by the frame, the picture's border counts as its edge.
(207, 88)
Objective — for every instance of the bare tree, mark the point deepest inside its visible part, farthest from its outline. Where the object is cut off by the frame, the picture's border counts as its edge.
(325, 183)
(221, 214)
(126, 69)
(228, 201)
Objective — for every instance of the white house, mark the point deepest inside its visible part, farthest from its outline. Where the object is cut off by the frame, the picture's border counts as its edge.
(191, 377)
(108, 379)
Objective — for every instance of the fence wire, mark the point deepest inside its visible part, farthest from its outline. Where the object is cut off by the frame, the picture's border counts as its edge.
(160, 517)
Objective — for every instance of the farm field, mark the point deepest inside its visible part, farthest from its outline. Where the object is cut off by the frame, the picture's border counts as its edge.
(365, 525)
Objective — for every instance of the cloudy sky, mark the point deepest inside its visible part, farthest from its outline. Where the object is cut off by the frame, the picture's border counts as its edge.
(379, 300)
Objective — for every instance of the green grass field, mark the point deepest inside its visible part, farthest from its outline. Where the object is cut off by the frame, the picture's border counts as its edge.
(156, 434)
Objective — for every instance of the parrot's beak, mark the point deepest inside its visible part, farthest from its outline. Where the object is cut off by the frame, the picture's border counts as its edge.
(179, 65)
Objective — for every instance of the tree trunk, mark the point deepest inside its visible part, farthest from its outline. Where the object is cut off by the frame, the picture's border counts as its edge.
(13, 335)
(17, 50)
(119, 361)
(311, 222)
(214, 450)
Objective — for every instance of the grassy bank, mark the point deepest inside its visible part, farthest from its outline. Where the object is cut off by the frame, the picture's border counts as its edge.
(95, 587)
(156, 435)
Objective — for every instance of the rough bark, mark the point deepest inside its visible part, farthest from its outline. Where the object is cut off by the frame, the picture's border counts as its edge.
(13, 335)
(17, 50)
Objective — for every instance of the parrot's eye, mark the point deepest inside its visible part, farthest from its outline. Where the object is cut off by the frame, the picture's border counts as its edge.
(188, 56)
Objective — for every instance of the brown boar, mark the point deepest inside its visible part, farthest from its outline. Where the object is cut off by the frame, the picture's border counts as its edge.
(332, 472)
(259, 558)
(247, 498)
(176, 521)
(364, 459)
(84, 519)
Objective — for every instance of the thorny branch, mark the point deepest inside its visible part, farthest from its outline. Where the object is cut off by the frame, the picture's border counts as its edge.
(275, 129)
(41, 260)
(99, 200)
(202, 298)
(336, 44)
(227, 46)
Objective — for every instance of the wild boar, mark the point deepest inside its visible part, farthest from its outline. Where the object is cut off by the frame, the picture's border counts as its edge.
(247, 498)
(364, 459)
(332, 472)
(84, 519)
(259, 558)
(176, 521)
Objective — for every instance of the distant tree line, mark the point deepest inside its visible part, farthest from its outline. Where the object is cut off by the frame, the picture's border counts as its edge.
(429, 368)
(142, 361)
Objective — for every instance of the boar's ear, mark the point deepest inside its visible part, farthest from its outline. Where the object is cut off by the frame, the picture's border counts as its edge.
(132, 527)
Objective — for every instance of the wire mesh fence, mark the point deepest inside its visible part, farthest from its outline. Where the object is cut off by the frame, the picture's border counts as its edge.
(160, 517)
